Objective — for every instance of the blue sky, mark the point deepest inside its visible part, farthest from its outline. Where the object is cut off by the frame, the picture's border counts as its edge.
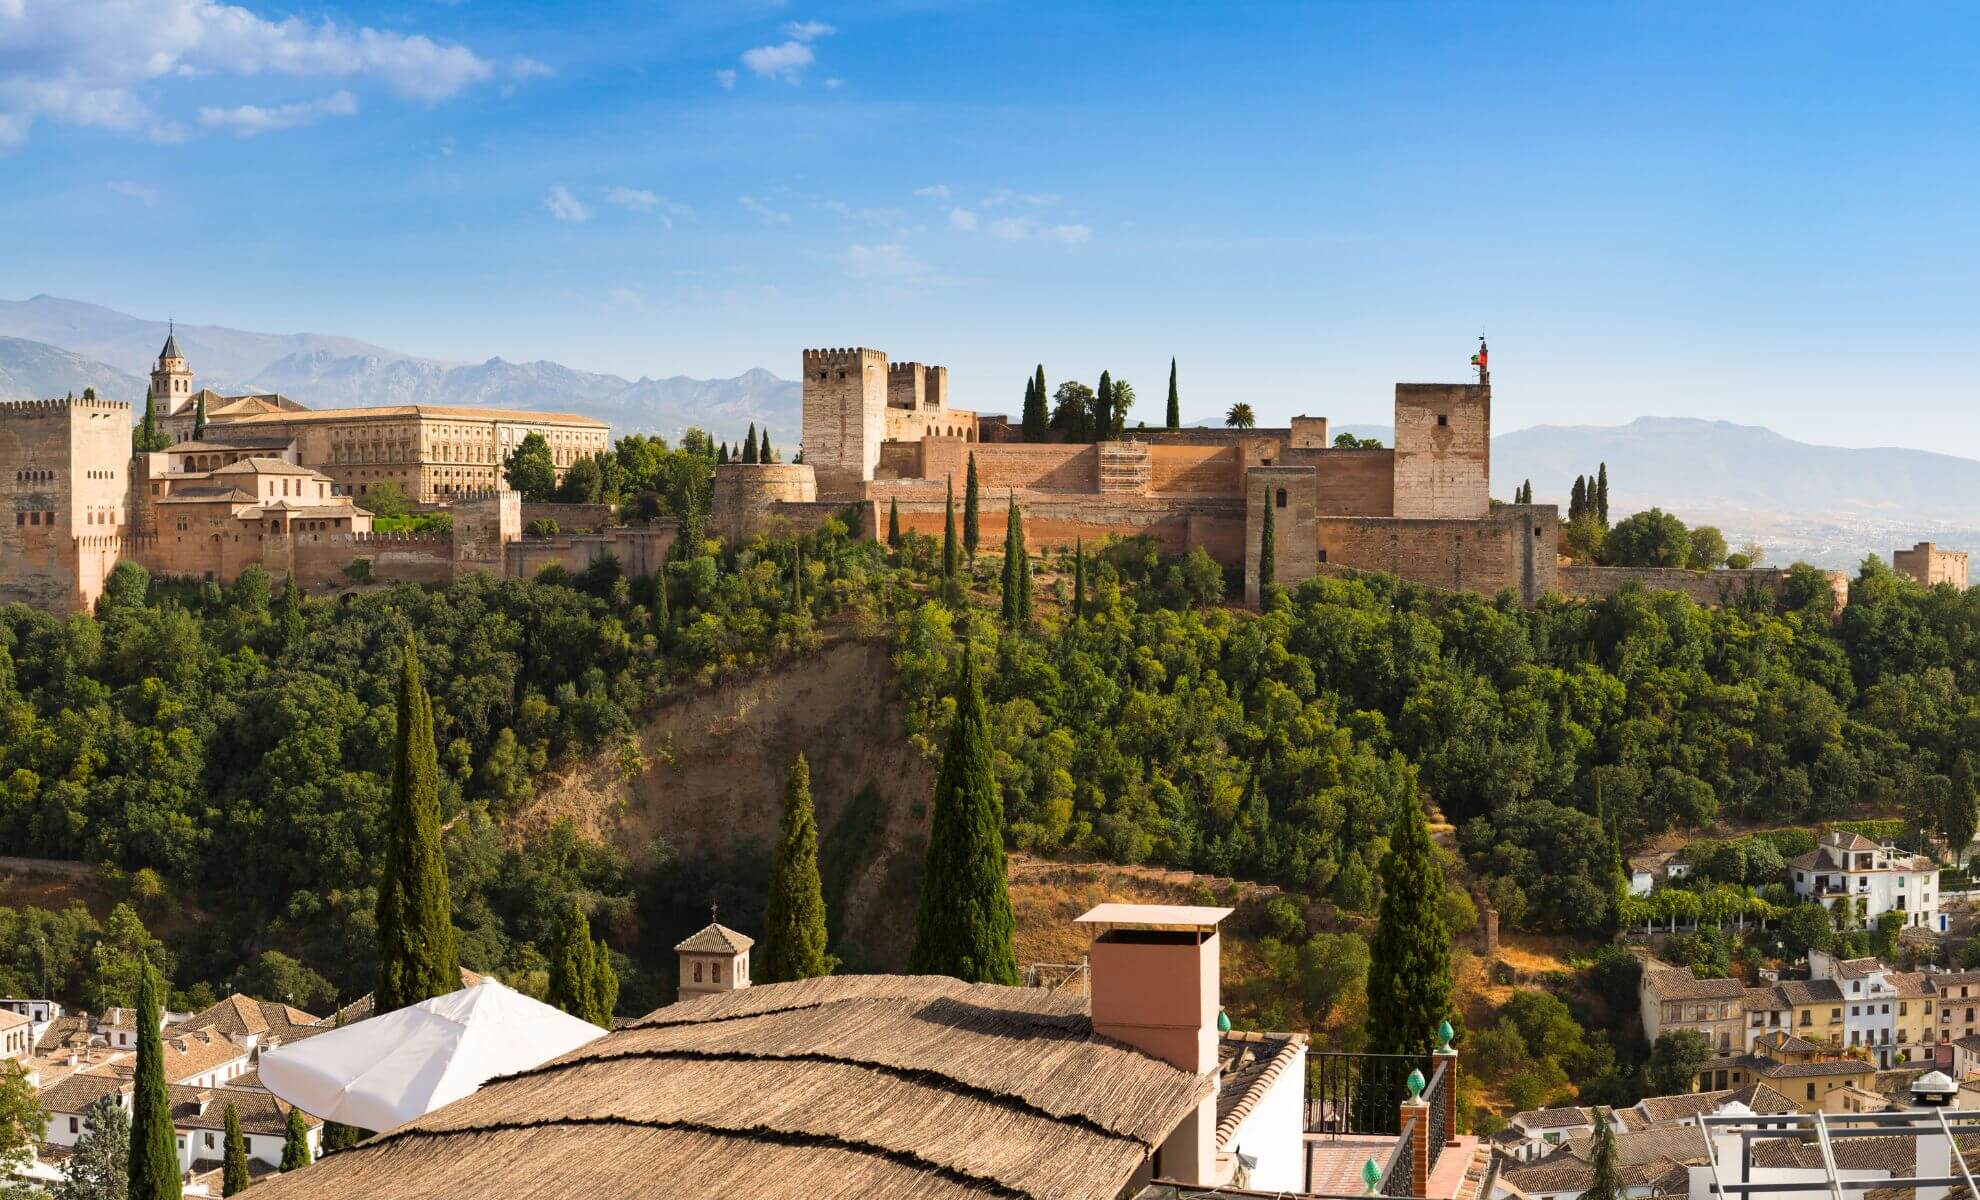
(1762, 213)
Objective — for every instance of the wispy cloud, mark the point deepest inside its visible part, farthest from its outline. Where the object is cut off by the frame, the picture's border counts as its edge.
(726, 78)
(81, 64)
(963, 219)
(641, 200)
(623, 297)
(934, 191)
(871, 216)
(564, 206)
(888, 260)
(1003, 195)
(247, 120)
(786, 61)
(1018, 229)
(808, 31)
(136, 191)
(773, 216)
(529, 68)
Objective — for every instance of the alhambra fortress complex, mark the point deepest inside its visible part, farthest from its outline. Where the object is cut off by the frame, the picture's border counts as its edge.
(261, 479)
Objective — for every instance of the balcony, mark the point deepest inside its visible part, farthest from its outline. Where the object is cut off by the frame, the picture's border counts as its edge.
(1361, 1126)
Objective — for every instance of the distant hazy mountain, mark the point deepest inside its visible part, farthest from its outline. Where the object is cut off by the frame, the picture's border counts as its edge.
(326, 372)
(33, 371)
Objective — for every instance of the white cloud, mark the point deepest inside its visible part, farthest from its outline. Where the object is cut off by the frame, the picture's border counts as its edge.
(872, 216)
(1002, 196)
(529, 68)
(1018, 229)
(125, 187)
(808, 31)
(764, 210)
(934, 191)
(835, 83)
(963, 219)
(641, 200)
(247, 120)
(564, 206)
(103, 64)
(888, 260)
(786, 62)
(726, 78)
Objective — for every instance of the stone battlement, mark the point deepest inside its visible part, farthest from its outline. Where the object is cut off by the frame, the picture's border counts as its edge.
(32, 407)
(843, 356)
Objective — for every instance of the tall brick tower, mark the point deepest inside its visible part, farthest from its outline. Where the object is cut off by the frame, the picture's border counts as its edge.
(1444, 447)
(845, 418)
(171, 381)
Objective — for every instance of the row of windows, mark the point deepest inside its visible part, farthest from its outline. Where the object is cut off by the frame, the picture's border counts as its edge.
(34, 476)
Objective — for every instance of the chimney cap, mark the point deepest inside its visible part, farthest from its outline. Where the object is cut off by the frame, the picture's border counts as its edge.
(1154, 916)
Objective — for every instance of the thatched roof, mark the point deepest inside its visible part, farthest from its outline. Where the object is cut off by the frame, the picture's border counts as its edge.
(867, 1086)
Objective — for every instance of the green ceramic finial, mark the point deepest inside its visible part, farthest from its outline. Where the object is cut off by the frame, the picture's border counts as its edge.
(1223, 1021)
(1444, 1035)
(1371, 1176)
(1415, 1085)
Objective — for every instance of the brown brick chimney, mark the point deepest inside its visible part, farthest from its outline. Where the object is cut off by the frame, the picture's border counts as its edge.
(1155, 982)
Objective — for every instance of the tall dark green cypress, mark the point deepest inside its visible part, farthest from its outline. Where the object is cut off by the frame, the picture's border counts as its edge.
(763, 452)
(972, 502)
(964, 926)
(199, 417)
(893, 523)
(663, 615)
(1079, 580)
(749, 445)
(1602, 495)
(1577, 499)
(295, 1142)
(1017, 570)
(1027, 421)
(154, 1161)
(150, 422)
(572, 970)
(1409, 974)
(1268, 564)
(722, 455)
(1175, 399)
(415, 925)
(950, 561)
(794, 915)
(604, 987)
(1040, 427)
(290, 615)
(1605, 1181)
(1103, 408)
(234, 1173)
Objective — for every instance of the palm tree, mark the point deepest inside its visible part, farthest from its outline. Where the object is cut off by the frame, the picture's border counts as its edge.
(1239, 416)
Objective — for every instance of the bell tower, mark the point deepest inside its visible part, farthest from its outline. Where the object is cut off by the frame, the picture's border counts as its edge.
(171, 383)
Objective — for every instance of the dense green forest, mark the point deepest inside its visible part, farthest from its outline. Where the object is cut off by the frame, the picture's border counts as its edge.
(221, 750)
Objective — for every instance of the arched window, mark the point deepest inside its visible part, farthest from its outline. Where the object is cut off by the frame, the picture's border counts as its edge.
(697, 972)
(1280, 500)
(715, 972)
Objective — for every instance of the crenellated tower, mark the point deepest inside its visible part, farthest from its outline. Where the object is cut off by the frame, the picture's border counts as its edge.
(845, 418)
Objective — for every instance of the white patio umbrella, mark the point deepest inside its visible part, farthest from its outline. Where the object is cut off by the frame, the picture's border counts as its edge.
(384, 1071)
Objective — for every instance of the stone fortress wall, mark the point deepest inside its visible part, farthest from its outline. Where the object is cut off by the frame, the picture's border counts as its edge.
(1930, 565)
(1420, 510)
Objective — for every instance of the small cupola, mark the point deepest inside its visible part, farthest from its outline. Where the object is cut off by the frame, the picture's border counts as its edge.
(713, 959)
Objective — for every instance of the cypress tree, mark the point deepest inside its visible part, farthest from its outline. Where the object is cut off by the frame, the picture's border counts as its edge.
(604, 987)
(1017, 570)
(663, 616)
(1578, 498)
(291, 614)
(1079, 580)
(749, 445)
(415, 926)
(150, 422)
(971, 509)
(154, 1161)
(234, 1177)
(794, 917)
(295, 1142)
(1268, 566)
(1602, 495)
(1409, 976)
(572, 970)
(1175, 401)
(199, 417)
(964, 926)
(1103, 408)
(1025, 421)
(893, 523)
(950, 563)
(722, 455)
(1605, 1179)
(763, 452)
(797, 578)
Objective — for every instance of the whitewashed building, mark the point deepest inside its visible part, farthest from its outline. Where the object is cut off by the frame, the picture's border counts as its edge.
(1874, 878)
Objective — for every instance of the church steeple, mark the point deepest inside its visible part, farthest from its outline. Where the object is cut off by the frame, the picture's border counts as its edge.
(171, 381)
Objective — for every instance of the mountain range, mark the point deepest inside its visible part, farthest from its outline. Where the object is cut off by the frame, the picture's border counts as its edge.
(1826, 504)
(114, 352)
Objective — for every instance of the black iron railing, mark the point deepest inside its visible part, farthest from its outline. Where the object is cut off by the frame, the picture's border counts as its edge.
(1399, 1176)
(1439, 1111)
(1358, 1093)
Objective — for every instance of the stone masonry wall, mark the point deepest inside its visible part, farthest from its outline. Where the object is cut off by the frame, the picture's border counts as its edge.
(1192, 469)
(570, 517)
(1291, 495)
(845, 417)
(743, 493)
(1515, 547)
(64, 470)
(1443, 450)
(1706, 587)
(1037, 466)
(1931, 566)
